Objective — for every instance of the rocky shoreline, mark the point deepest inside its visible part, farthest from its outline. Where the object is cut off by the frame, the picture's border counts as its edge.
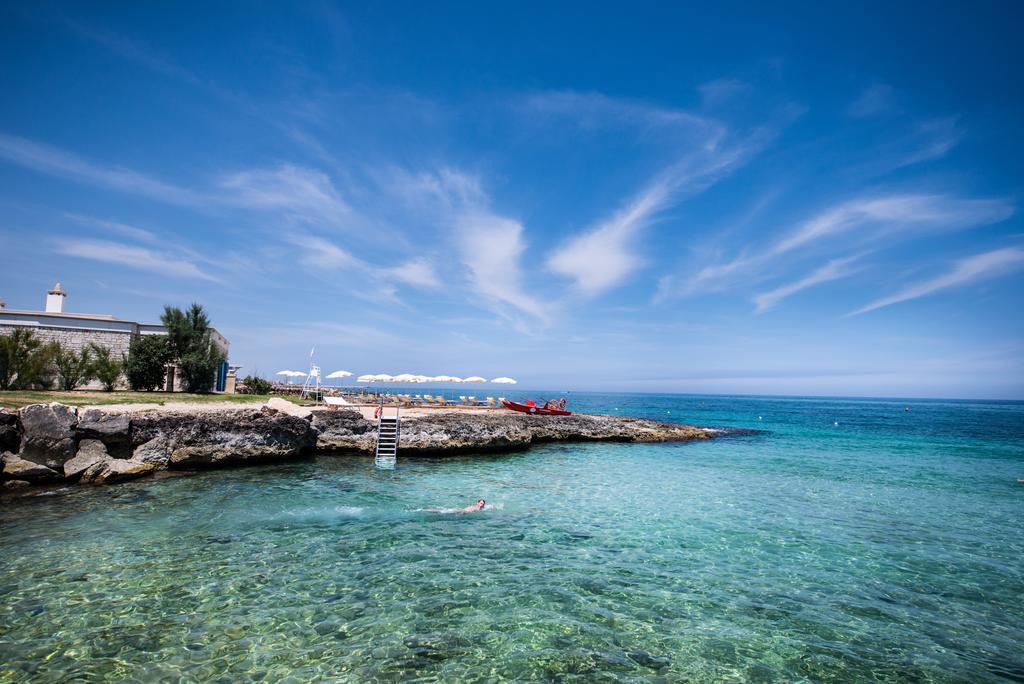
(44, 444)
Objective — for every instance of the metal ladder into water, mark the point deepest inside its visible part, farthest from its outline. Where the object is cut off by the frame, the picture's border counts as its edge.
(388, 432)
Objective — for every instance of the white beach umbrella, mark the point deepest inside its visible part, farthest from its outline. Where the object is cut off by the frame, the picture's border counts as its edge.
(405, 377)
(383, 377)
(423, 378)
(452, 378)
(504, 381)
(474, 378)
(297, 374)
(338, 374)
(284, 372)
(366, 378)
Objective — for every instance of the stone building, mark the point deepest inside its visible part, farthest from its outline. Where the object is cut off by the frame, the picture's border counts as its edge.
(76, 330)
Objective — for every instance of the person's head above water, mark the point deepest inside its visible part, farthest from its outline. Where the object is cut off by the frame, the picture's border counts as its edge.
(480, 504)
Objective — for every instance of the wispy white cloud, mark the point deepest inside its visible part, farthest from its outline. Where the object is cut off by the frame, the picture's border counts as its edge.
(872, 218)
(966, 271)
(419, 272)
(143, 259)
(833, 270)
(932, 139)
(877, 98)
(603, 257)
(303, 193)
(490, 246)
(722, 90)
(321, 253)
(596, 111)
(122, 229)
(56, 162)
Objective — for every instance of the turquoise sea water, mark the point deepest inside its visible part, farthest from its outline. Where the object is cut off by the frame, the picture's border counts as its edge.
(849, 541)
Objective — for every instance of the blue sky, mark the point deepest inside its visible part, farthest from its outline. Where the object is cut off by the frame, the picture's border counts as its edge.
(805, 201)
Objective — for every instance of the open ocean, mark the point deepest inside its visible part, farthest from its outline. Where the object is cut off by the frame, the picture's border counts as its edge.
(849, 540)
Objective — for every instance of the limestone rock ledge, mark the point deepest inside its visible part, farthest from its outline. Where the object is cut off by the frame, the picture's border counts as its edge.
(54, 443)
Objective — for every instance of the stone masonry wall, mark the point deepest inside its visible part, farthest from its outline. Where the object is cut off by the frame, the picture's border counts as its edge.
(77, 339)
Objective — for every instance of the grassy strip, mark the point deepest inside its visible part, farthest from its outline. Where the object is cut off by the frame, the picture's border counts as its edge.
(19, 398)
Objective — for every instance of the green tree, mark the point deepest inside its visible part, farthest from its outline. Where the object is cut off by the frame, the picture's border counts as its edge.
(73, 368)
(192, 346)
(148, 357)
(25, 361)
(106, 367)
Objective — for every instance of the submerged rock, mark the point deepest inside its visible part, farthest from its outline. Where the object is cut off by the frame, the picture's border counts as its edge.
(48, 433)
(111, 470)
(15, 468)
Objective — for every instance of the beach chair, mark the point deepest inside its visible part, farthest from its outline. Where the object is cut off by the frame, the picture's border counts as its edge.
(440, 401)
(463, 399)
(473, 401)
(491, 401)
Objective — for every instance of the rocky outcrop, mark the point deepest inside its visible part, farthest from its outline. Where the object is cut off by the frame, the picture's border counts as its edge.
(343, 430)
(347, 430)
(450, 433)
(112, 429)
(10, 435)
(48, 434)
(19, 469)
(100, 446)
(225, 437)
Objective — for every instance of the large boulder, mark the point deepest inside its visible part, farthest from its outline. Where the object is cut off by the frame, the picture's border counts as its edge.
(208, 439)
(343, 430)
(113, 429)
(48, 434)
(90, 452)
(10, 435)
(156, 451)
(112, 470)
(15, 468)
(287, 407)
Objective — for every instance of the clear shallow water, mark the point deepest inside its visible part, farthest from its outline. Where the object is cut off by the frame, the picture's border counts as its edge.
(888, 547)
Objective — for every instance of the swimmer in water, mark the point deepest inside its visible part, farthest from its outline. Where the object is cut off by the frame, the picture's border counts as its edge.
(478, 506)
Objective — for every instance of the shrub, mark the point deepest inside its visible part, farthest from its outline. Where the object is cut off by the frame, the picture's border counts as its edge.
(106, 367)
(73, 368)
(146, 367)
(256, 385)
(25, 362)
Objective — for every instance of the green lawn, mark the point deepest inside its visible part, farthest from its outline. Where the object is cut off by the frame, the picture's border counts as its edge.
(19, 398)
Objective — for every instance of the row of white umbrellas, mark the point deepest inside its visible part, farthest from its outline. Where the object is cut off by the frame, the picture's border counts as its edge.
(404, 377)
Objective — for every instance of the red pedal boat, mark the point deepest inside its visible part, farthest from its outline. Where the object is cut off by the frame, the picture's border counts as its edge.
(555, 407)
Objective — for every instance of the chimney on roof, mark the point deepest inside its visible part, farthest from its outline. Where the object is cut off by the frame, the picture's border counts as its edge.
(55, 299)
